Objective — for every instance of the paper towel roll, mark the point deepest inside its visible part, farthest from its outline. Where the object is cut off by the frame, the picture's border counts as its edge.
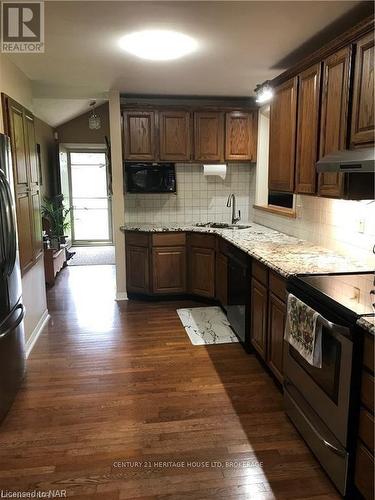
(217, 169)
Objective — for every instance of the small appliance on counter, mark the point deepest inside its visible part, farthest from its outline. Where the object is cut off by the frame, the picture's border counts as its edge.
(321, 401)
(150, 177)
(12, 357)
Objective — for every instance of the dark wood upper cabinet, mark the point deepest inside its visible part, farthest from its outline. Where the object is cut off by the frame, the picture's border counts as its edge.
(241, 135)
(363, 118)
(283, 116)
(19, 125)
(169, 269)
(308, 129)
(139, 135)
(334, 117)
(175, 137)
(208, 136)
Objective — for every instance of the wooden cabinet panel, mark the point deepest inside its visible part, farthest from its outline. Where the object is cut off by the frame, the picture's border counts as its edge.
(276, 325)
(21, 129)
(169, 269)
(208, 136)
(363, 116)
(334, 117)
(277, 285)
(368, 352)
(137, 269)
(307, 129)
(168, 239)
(260, 272)
(283, 118)
(202, 271)
(25, 231)
(139, 135)
(366, 428)
(367, 390)
(137, 239)
(241, 135)
(175, 140)
(364, 472)
(17, 135)
(221, 278)
(37, 224)
(258, 333)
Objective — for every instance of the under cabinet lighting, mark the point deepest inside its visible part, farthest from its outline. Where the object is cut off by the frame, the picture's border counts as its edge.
(158, 45)
(263, 93)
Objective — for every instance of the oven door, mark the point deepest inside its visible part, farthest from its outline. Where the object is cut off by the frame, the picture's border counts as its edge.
(326, 389)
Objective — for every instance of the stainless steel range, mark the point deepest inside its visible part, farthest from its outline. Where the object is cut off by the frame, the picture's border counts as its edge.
(320, 401)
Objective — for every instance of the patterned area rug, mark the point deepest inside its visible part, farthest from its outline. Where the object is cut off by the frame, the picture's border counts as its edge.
(207, 325)
(92, 256)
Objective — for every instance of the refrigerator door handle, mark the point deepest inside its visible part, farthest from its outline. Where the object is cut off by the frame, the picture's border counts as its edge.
(12, 326)
(10, 235)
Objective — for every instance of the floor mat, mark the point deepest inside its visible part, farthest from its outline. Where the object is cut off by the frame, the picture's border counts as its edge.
(207, 325)
(92, 256)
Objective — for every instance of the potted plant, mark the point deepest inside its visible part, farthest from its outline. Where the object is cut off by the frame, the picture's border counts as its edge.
(57, 215)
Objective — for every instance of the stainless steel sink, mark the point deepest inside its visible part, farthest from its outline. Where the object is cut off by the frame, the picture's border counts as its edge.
(222, 225)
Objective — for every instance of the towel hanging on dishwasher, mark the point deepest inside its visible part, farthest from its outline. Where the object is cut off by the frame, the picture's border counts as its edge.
(303, 331)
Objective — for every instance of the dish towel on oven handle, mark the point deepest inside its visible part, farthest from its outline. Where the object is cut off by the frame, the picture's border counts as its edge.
(303, 331)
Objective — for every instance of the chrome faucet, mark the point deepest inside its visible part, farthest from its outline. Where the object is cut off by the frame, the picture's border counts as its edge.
(231, 202)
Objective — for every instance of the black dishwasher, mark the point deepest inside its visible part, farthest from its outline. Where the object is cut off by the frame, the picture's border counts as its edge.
(238, 301)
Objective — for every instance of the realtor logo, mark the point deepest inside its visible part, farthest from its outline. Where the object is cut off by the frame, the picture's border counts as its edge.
(22, 27)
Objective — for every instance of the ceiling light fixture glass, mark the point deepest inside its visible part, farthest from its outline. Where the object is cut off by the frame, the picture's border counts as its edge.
(263, 92)
(94, 119)
(158, 45)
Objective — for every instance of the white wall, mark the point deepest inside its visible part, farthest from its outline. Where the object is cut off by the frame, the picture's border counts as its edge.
(198, 198)
(15, 84)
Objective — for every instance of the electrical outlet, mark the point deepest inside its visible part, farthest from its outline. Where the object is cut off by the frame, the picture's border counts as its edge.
(361, 225)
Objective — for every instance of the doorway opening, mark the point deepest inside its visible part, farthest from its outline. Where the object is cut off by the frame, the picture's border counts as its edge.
(91, 219)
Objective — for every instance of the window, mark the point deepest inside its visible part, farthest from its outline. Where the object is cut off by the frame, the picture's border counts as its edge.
(272, 201)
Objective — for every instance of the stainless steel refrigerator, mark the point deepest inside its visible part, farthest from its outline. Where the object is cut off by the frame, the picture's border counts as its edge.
(12, 311)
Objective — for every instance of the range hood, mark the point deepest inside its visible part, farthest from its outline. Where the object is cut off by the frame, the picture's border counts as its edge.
(357, 160)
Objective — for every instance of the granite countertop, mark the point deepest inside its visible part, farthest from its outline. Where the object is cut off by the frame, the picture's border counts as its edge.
(367, 323)
(284, 254)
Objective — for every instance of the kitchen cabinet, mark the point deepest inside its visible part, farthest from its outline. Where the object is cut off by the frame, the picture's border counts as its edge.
(221, 278)
(174, 134)
(139, 135)
(137, 269)
(364, 461)
(363, 117)
(259, 302)
(241, 135)
(334, 117)
(276, 326)
(202, 264)
(169, 269)
(308, 130)
(19, 125)
(268, 314)
(209, 136)
(283, 117)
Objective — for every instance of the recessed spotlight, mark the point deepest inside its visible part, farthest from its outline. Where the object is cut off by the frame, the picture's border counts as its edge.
(158, 45)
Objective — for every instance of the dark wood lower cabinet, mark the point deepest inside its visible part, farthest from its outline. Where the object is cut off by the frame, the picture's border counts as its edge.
(258, 336)
(137, 269)
(202, 271)
(169, 270)
(276, 325)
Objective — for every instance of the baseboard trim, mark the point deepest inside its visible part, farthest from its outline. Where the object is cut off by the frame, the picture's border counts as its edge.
(37, 331)
(120, 296)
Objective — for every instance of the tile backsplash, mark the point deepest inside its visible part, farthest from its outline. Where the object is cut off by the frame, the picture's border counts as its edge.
(198, 198)
(347, 227)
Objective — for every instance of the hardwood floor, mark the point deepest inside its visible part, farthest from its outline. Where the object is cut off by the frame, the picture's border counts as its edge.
(109, 383)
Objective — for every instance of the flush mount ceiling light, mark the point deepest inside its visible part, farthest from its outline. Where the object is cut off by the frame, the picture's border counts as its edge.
(263, 92)
(158, 45)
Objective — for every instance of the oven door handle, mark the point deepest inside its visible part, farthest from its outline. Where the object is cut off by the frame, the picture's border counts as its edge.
(327, 444)
(334, 328)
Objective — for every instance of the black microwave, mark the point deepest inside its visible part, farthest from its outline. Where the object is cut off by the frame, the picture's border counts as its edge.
(150, 177)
